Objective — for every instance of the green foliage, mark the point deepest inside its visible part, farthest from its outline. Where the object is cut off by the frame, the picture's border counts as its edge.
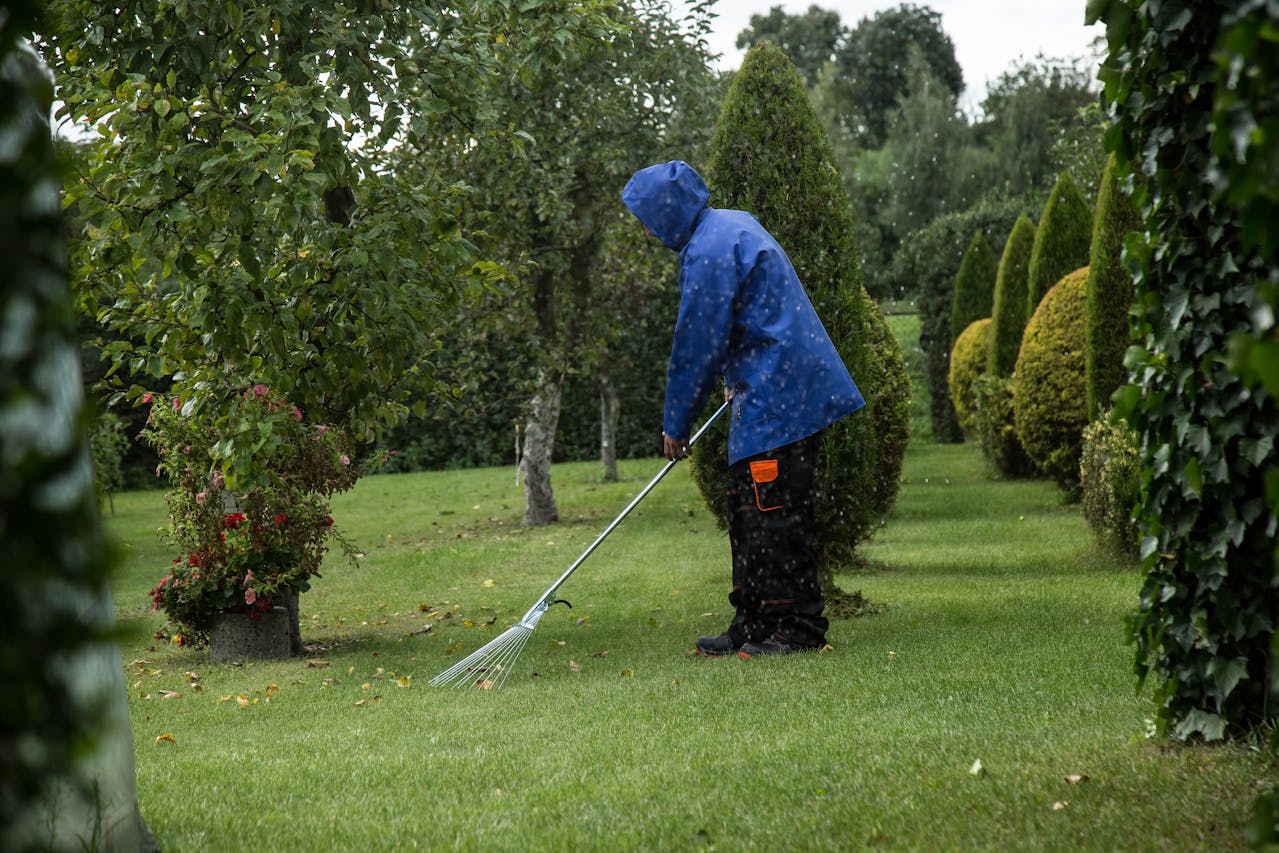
(52, 549)
(927, 264)
(996, 428)
(108, 443)
(235, 229)
(1061, 241)
(1110, 483)
(770, 156)
(248, 550)
(1009, 312)
(974, 285)
(1034, 124)
(1110, 292)
(967, 364)
(873, 68)
(1049, 398)
(809, 40)
(1189, 118)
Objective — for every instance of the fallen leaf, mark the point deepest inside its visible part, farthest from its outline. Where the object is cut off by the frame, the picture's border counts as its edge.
(826, 648)
(677, 681)
(315, 663)
(977, 769)
(1058, 805)
(467, 623)
(602, 654)
(574, 666)
(488, 584)
(226, 698)
(360, 703)
(891, 654)
(271, 690)
(404, 680)
(170, 694)
(166, 738)
(627, 673)
(583, 620)
(365, 686)
(242, 700)
(1076, 778)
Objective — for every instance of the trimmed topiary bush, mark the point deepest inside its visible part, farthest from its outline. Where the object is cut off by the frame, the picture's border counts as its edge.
(770, 156)
(967, 364)
(1008, 312)
(995, 428)
(1110, 292)
(1049, 399)
(926, 263)
(1110, 485)
(1061, 241)
(974, 285)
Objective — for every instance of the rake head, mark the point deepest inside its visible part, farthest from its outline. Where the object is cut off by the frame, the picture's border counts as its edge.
(488, 666)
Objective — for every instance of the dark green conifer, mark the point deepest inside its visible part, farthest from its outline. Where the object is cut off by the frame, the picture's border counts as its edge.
(770, 156)
(1061, 241)
(1110, 291)
(1008, 317)
(974, 285)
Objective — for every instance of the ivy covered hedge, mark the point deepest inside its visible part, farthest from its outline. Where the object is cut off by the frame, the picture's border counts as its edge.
(1192, 88)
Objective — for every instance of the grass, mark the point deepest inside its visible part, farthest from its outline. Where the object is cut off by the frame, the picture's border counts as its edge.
(1002, 642)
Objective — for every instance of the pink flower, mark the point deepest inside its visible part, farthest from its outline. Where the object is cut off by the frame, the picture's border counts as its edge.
(321, 429)
(177, 404)
(260, 391)
(202, 496)
(217, 480)
(248, 579)
(297, 413)
(345, 460)
(146, 398)
(250, 596)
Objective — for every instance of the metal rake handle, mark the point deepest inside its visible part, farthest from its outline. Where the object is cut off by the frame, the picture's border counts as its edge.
(536, 611)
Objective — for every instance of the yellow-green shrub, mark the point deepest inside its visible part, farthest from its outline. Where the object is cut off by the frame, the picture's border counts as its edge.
(1109, 475)
(1050, 398)
(967, 363)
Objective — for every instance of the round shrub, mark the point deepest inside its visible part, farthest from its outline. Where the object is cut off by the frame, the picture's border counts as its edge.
(1109, 474)
(967, 364)
(996, 432)
(1050, 404)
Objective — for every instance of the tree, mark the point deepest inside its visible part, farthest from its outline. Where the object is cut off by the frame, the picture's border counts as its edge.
(1110, 291)
(66, 754)
(1061, 241)
(592, 118)
(243, 223)
(1204, 395)
(1009, 312)
(809, 40)
(1027, 113)
(770, 157)
(974, 285)
(873, 66)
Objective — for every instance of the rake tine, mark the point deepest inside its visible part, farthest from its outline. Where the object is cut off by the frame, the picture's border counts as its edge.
(497, 656)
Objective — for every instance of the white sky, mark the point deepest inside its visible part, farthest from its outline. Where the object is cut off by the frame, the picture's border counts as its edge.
(989, 35)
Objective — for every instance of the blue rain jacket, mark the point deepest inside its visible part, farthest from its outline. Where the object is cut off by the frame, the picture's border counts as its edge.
(743, 316)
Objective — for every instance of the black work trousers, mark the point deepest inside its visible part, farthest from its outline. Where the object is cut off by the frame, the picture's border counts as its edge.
(775, 584)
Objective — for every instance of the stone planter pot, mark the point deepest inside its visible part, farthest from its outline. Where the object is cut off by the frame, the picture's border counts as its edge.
(235, 636)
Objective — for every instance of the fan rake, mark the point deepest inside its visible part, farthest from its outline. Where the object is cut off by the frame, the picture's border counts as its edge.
(489, 666)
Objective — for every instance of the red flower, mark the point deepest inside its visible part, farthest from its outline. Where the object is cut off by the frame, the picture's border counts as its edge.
(233, 520)
(281, 518)
(297, 413)
(193, 560)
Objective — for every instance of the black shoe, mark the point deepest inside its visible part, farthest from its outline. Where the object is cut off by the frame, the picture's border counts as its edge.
(774, 645)
(717, 647)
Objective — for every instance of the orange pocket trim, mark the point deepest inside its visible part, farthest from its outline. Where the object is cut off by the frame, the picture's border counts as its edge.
(764, 471)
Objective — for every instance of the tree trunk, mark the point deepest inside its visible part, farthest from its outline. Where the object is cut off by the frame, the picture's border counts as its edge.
(609, 407)
(539, 441)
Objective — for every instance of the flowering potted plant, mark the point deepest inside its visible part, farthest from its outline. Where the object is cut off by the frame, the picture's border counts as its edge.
(256, 547)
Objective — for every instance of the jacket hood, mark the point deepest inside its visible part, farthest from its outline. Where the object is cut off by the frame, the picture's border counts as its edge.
(667, 199)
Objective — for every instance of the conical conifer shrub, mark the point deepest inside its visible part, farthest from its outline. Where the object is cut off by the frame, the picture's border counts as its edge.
(1061, 241)
(770, 156)
(1008, 314)
(1110, 292)
(974, 285)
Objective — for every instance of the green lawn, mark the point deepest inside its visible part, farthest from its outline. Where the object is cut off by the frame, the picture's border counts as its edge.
(1002, 642)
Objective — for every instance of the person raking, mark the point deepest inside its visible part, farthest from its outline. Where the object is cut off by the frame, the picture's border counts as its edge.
(744, 317)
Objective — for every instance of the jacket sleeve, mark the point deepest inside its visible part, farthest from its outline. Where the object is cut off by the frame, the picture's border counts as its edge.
(708, 287)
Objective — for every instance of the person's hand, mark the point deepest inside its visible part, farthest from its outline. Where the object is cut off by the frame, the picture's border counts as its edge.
(673, 448)
(728, 394)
